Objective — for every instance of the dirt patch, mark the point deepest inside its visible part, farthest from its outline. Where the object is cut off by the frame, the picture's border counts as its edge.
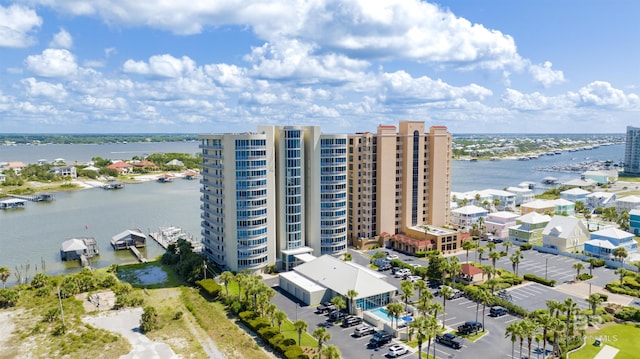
(7, 326)
(145, 276)
(99, 301)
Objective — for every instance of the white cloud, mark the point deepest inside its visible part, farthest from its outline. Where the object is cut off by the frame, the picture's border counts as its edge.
(602, 94)
(160, 65)
(52, 63)
(62, 40)
(517, 100)
(16, 22)
(37, 88)
(545, 75)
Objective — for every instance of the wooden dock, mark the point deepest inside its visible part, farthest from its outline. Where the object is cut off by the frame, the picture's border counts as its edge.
(38, 197)
(138, 255)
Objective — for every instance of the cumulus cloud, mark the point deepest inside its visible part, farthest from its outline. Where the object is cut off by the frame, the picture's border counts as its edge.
(160, 65)
(602, 94)
(16, 23)
(52, 63)
(62, 40)
(37, 88)
(545, 75)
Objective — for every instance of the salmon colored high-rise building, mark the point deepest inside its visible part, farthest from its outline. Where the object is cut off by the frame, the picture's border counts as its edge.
(398, 178)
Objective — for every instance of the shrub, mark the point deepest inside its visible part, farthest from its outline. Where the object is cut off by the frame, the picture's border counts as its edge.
(526, 246)
(535, 278)
(178, 315)
(584, 276)
(210, 286)
(598, 263)
(149, 319)
(629, 314)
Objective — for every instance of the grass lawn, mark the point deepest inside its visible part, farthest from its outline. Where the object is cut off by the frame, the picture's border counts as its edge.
(474, 337)
(288, 331)
(621, 336)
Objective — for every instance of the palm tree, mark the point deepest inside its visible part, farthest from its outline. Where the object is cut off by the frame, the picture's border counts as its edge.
(496, 203)
(620, 254)
(331, 352)
(351, 294)
(480, 252)
(4, 275)
(420, 326)
(435, 330)
(492, 284)
(445, 292)
(491, 246)
(554, 307)
(506, 244)
(300, 326)
(515, 261)
(453, 266)
(494, 256)
(467, 246)
(482, 296)
(279, 316)
(529, 329)
(394, 310)
(594, 299)
(622, 272)
(269, 311)
(623, 220)
(407, 292)
(578, 267)
(321, 336)
(421, 287)
(434, 309)
(513, 332)
(481, 224)
(545, 322)
(571, 308)
(592, 264)
(609, 214)
(338, 301)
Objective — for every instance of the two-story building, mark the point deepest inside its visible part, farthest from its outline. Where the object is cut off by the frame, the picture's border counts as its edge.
(605, 241)
(550, 207)
(465, 217)
(575, 195)
(528, 228)
(65, 171)
(600, 199)
(498, 223)
(523, 195)
(565, 234)
(627, 203)
(634, 221)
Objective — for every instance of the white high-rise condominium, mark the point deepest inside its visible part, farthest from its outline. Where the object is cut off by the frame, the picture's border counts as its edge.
(632, 151)
(283, 196)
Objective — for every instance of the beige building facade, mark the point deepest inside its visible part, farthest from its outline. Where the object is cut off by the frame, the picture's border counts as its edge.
(398, 178)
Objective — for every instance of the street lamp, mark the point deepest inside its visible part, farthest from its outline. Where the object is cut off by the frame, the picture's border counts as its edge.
(546, 264)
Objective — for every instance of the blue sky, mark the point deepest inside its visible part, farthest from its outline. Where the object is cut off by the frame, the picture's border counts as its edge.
(105, 66)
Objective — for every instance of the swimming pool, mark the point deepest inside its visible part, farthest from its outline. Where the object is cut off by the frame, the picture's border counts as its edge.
(384, 315)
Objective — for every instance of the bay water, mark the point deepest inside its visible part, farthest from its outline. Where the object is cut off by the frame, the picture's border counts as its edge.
(34, 234)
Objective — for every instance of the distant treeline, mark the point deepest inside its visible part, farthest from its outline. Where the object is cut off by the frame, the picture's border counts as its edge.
(95, 138)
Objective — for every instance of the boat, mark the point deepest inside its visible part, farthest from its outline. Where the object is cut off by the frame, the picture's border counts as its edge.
(165, 178)
(112, 185)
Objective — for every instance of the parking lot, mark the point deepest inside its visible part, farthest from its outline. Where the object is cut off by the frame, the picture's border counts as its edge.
(492, 345)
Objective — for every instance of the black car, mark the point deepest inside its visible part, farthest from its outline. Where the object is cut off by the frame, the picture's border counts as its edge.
(497, 311)
(469, 328)
(326, 307)
(449, 340)
(379, 339)
(336, 316)
(351, 321)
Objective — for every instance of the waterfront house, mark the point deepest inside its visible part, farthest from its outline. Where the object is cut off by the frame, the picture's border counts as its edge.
(74, 248)
(605, 241)
(528, 228)
(523, 194)
(92, 168)
(144, 166)
(465, 217)
(64, 171)
(121, 167)
(600, 199)
(628, 203)
(564, 207)
(500, 200)
(584, 183)
(602, 177)
(15, 166)
(575, 195)
(634, 221)
(175, 163)
(498, 223)
(540, 206)
(565, 234)
(129, 238)
(2, 177)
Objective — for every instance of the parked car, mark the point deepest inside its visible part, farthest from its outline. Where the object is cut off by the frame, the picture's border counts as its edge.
(401, 273)
(363, 330)
(396, 350)
(497, 311)
(384, 267)
(351, 321)
(391, 257)
(449, 340)
(325, 307)
(503, 294)
(455, 293)
(414, 278)
(337, 316)
(379, 339)
(470, 327)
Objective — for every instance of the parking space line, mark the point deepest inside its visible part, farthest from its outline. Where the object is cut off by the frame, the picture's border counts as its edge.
(511, 320)
(472, 306)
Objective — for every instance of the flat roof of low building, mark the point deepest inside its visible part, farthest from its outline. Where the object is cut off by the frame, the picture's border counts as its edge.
(302, 281)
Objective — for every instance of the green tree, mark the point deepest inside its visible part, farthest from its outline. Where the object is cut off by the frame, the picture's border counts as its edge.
(592, 264)
(339, 302)
(623, 220)
(321, 336)
(279, 316)
(620, 254)
(394, 310)
(226, 277)
(491, 246)
(545, 322)
(420, 326)
(467, 246)
(445, 292)
(352, 294)
(593, 300)
(515, 261)
(514, 332)
(578, 267)
(149, 319)
(407, 292)
(331, 352)
(494, 256)
(5, 273)
(300, 326)
(571, 308)
(480, 252)
(529, 329)
(421, 287)
(507, 244)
